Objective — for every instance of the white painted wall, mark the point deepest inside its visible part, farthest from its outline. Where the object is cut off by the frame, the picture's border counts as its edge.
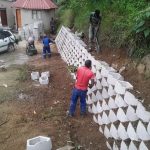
(9, 11)
(46, 15)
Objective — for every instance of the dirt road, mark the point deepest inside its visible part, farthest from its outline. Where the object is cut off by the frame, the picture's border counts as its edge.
(28, 109)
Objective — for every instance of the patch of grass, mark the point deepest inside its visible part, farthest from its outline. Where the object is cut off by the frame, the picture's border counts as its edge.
(67, 17)
(23, 73)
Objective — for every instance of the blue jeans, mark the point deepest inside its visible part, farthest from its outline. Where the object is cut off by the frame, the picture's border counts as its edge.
(46, 49)
(76, 93)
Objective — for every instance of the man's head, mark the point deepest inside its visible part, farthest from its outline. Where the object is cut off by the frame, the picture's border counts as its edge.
(45, 35)
(88, 63)
(97, 12)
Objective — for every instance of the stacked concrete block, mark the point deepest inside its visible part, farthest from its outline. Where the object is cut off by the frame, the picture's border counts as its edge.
(122, 118)
(35, 30)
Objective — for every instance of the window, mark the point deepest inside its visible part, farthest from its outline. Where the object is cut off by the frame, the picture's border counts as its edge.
(6, 34)
(36, 14)
(1, 36)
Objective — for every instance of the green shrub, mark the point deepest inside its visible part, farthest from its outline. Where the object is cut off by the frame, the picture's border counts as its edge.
(141, 33)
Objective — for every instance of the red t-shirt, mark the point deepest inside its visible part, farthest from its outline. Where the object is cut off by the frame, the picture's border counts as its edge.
(84, 74)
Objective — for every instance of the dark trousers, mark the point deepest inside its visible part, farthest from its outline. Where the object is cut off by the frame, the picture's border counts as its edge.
(46, 49)
(76, 93)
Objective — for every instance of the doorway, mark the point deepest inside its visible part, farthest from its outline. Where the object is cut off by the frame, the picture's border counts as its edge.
(18, 18)
(3, 17)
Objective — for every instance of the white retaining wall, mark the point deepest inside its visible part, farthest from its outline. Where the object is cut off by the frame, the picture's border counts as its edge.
(121, 117)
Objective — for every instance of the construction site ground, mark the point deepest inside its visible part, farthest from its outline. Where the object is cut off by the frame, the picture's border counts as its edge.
(28, 109)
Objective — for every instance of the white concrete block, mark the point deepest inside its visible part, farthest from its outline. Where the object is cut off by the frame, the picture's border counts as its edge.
(132, 146)
(94, 109)
(112, 116)
(107, 132)
(100, 121)
(105, 106)
(35, 75)
(98, 75)
(114, 132)
(99, 108)
(100, 130)
(131, 133)
(143, 146)
(120, 101)
(39, 143)
(111, 103)
(131, 114)
(123, 146)
(108, 145)
(89, 101)
(44, 80)
(104, 82)
(98, 85)
(142, 113)
(122, 86)
(104, 72)
(148, 128)
(99, 96)
(94, 98)
(95, 119)
(130, 99)
(105, 118)
(121, 115)
(142, 132)
(90, 109)
(111, 91)
(111, 80)
(105, 93)
(122, 132)
(115, 147)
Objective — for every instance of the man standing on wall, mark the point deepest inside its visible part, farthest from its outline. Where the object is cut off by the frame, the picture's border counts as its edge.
(83, 75)
(95, 21)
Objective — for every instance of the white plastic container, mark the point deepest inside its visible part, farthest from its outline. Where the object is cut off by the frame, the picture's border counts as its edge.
(44, 80)
(39, 143)
(47, 74)
(35, 75)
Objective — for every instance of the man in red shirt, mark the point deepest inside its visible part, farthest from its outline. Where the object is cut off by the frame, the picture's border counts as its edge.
(83, 75)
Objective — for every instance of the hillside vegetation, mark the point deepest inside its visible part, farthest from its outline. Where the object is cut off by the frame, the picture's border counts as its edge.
(125, 23)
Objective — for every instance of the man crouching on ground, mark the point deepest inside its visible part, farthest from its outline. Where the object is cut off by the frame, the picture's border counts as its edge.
(83, 75)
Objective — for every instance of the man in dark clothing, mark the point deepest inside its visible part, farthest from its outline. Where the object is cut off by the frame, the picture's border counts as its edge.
(52, 26)
(46, 46)
(95, 20)
(83, 75)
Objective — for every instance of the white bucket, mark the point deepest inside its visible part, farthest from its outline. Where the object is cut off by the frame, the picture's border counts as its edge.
(47, 74)
(35, 75)
(44, 80)
(39, 143)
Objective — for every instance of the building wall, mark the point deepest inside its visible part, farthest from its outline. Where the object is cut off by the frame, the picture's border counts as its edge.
(9, 11)
(46, 15)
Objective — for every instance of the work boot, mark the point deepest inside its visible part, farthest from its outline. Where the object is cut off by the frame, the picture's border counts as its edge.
(83, 114)
(68, 114)
(49, 55)
(44, 56)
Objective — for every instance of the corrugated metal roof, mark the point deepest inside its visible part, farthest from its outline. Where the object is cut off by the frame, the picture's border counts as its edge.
(34, 4)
